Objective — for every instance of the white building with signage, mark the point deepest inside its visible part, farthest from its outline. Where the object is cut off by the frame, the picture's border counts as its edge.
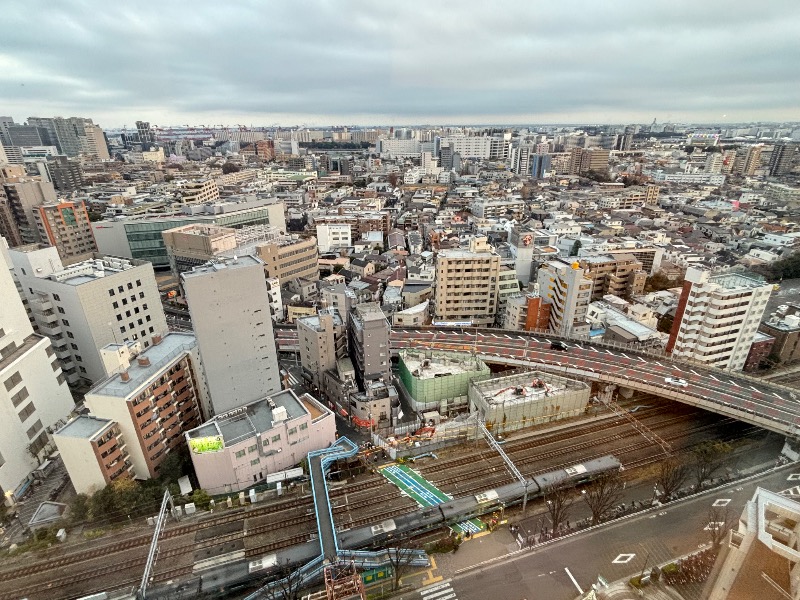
(243, 447)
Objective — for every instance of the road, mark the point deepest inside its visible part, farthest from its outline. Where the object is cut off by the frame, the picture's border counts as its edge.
(616, 552)
(772, 407)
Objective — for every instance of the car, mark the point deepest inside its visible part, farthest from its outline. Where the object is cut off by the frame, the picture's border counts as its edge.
(561, 346)
(676, 381)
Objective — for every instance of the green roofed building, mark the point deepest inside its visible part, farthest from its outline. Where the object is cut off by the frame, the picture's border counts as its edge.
(439, 381)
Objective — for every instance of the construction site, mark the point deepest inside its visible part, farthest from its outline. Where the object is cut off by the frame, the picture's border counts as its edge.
(526, 399)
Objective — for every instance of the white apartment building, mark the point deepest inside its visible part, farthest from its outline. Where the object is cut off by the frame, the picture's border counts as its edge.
(493, 208)
(88, 305)
(242, 447)
(568, 291)
(230, 308)
(699, 178)
(717, 318)
(33, 392)
(332, 236)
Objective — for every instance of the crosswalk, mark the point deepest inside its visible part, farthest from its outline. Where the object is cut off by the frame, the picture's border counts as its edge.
(440, 591)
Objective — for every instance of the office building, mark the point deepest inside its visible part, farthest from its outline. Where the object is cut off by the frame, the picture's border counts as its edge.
(322, 340)
(717, 318)
(621, 275)
(64, 173)
(94, 453)
(154, 398)
(66, 227)
(290, 257)
(243, 447)
(529, 247)
(23, 195)
(140, 236)
(27, 135)
(34, 396)
(88, 305)
(229, 305)
(467, 285)
(568, 291)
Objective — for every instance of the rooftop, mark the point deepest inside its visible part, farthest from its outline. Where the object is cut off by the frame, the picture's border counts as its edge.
(169, 350)
(84, 426)
(93, 269)
(257, 417)
(221, 264)
(525, 387)
(731, 281)
(430, 365)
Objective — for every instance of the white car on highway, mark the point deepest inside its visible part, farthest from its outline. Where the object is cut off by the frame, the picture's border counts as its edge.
(676, 381)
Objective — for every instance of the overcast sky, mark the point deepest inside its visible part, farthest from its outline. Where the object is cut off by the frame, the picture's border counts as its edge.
(345, 62)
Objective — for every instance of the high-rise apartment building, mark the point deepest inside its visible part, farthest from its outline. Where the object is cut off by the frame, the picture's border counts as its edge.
(568, 291)
(322, 340)
(64, 173)
(782, 159)
(33, 392)
(290, 257)
(88, 305)
(717, 318)
(527, 312)
(748, 159)
(145, 133)
(23, 196)
(154, 399)
(66, 226)
(198, 192)
(369, 343)
(230, 308)
(467, 284)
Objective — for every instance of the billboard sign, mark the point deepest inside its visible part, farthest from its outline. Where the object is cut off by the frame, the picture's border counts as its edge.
(201, 445)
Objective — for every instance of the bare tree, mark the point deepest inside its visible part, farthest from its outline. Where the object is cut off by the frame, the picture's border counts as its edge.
(285, 582)
(602, 494)
(401, 554)
(672, 474)
(707, 459)
(720, 521)
(559, 499)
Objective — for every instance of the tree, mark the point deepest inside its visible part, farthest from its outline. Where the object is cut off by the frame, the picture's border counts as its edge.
(708, 458)
(688, 149)
(201, 499)
(285, 583)
(401, 554)
(559, 499)
(658, 282)
(665, 323)
(602, 495)
(575, 248)
(175, 465)
(79, 508)
(126, 495)
(720, 521)
(672, 474)
(230, 167)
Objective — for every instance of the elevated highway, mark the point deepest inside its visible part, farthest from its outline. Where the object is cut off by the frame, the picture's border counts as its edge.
(768, 405)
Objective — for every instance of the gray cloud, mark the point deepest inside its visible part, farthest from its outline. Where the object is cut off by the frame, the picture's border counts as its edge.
(322, 62)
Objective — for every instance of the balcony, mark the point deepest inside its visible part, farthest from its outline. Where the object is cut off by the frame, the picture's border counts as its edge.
(51, 328)
(42, 304)
(47, 317)
(63, 352)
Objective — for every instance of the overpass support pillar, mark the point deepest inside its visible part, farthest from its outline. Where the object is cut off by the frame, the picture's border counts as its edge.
(626, 393)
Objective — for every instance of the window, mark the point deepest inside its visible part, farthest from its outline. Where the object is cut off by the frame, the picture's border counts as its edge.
(133, 298)
(147, 318)
(253, 448)
(12, 381)
(116, 305)
(65, 322)
(60, 310)
(303, 426)
(26, 412)
(19, 397)
(56, 297)
(122, 329)
(292, 431)
(78, 358)
(136, 310)
(140, 321)
(130, 285)
(69, 335)
(36, 428)
(74, 346)
(141, 295)
(138, 283)
(151, 329)
(240, 453)
(144, 306)
(127, 313)
(254, 462)
(121, 289)
(111, 292)
(276, 438)
(119, 317)
(124, 302)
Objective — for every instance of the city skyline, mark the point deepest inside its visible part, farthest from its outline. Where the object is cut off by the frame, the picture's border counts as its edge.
(360, 63)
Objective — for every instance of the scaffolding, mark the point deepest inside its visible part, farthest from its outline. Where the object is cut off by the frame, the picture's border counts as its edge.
(342, 582)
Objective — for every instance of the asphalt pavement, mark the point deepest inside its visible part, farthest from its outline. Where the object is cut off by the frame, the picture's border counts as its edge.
(492, 567)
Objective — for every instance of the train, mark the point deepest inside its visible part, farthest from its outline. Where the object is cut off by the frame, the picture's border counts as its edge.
(379, 535)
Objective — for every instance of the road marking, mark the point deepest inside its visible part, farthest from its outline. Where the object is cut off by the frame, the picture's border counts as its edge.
(695, 372)
(623, 559)
(677, 368)
(441, 594)
(434, 588)
(610, 352)
(722, 502)
(535, 340)
(795, 491)
(754, 389)
(793, 477)
(712, 377)
(658, 363)
(595, 349)
(776, 395)
(580, 591)
(734, 383)
(625, 355)
(641, 359)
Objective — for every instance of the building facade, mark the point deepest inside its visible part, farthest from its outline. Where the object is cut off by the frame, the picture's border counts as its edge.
(290, 258)
(568, 291)
(23, 196)
(717, 318)
(88, 305)
(621, 275)
(154, 399)
(322, 340)
(66, 226)
(230, 309)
